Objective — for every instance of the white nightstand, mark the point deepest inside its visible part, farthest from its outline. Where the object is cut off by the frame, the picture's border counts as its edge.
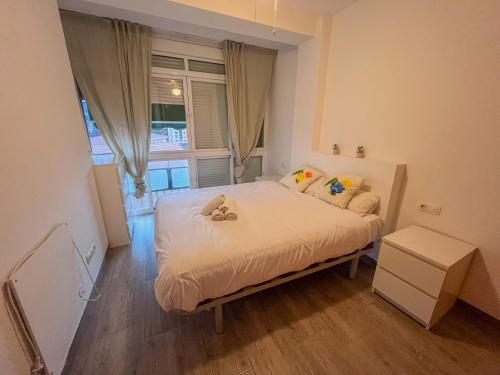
(421, 272)
(275, 177)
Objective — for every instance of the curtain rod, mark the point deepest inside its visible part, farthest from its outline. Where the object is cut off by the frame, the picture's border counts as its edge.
(187, 38)
(178, 36)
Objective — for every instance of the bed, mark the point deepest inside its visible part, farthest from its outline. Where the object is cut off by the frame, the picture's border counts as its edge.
(280, 235)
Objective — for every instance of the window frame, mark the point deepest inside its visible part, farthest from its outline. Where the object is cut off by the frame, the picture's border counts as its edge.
(189, 127)
(191, 115)
(192, 153)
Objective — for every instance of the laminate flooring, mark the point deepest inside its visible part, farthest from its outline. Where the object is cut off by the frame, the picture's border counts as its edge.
(325, 323)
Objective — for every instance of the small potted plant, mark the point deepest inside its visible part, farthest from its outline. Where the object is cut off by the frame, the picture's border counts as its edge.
(360, 151)
(335, 149)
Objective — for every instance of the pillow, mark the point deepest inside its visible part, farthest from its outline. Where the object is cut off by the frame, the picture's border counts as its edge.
(315, 186)
(339, 189)
(363, 203)
(300, 179)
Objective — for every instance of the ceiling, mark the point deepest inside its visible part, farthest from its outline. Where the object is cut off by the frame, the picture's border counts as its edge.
(171, 16)
(321, 6)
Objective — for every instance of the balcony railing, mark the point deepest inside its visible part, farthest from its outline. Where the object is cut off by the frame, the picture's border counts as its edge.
(158, 184)
(144, 204)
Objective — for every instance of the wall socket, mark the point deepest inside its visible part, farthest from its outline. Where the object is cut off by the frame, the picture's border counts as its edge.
(90, 254)
(430, 208)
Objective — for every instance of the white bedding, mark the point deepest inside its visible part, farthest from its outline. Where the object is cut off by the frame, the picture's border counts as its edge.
(376, 226)
(277, 231)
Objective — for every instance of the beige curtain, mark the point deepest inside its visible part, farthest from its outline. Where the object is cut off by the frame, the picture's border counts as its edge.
(111, 62)
(248, 73)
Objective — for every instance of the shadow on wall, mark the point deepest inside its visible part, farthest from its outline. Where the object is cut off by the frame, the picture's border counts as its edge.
(402, 193)
(96, 207)
(481, 276)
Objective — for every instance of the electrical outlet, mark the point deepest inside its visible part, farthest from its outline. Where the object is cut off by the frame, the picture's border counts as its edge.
(90, 254)
(430, 208)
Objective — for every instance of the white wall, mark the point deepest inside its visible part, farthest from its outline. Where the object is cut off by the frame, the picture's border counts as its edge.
(45, 171)
(418, 82)
(312, 63)
(281, 112)
(290, 17)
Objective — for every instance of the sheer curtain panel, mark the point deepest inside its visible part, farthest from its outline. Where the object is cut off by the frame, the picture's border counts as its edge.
(111, 62)
(248, 73)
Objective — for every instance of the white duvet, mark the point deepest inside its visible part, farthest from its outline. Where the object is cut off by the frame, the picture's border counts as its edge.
(277, 231)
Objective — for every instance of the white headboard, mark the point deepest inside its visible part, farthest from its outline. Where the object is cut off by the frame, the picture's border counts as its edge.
(382, 178)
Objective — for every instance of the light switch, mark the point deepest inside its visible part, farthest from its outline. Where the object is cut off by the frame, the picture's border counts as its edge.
(430, 208)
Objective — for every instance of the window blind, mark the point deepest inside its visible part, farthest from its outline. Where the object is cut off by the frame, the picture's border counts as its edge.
(206, 67)
(167, 62)
(253, 168)
(167, 91)
(213, 172)
(209, 115)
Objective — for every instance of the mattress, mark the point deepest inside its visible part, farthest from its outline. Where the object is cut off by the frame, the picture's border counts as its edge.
(376, 226)
(277, 231)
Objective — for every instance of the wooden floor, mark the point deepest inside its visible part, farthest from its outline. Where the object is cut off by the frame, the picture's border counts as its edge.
(321, 324)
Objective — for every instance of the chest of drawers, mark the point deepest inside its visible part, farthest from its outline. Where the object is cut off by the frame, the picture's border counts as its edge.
(421, 272)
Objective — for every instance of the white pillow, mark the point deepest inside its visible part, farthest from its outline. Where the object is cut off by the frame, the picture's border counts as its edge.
(315, 186)
(299, 179)
(363, 203)
(339, 189)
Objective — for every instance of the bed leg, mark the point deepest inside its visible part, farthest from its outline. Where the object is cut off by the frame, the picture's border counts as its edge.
(219, 325)
(354, 267)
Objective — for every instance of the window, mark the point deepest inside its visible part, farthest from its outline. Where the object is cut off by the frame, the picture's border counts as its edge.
(213, 172)
(206, 67)
(167, 62)
(210, 114)
(190, 140)
(189, 120)
(169, 174)
(168, 115)
(260, 141)
(98, 145)
(189, 96)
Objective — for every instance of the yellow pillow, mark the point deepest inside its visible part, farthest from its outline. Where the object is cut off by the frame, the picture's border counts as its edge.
(299, 179)
(339, 189)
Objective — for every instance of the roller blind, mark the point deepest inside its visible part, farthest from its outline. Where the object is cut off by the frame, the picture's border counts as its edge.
(253, 168)
(167, 62)
(167, 91)
(213, 172)
(209, 115)
(206, 67)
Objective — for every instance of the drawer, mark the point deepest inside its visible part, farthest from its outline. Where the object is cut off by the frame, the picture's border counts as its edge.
(415, 271)
(417, 303)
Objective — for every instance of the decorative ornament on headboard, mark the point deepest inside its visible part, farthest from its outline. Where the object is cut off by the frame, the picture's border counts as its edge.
(335, 149)
(360, 151)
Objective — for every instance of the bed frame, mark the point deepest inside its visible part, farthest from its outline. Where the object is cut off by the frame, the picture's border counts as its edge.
(383, 178)
(218, 302)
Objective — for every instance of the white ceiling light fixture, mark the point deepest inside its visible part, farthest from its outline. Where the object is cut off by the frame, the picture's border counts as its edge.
(176, 91)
